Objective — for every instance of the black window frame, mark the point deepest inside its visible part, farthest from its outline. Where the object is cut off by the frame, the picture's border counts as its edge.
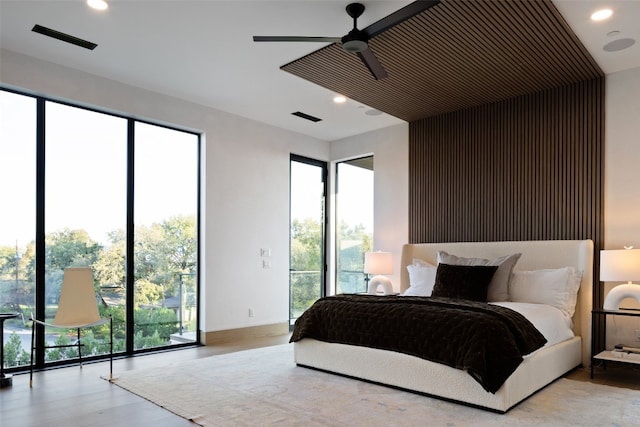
(40, 247)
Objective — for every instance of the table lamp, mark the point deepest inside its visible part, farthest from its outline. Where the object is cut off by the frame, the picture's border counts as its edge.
(379, 263)
(620, 265)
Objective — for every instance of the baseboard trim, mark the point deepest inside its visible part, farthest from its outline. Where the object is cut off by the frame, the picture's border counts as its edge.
(240, 334)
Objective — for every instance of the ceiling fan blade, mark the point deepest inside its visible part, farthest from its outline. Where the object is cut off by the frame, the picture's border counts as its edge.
(373, 64)
(296, 39)
(409, 11)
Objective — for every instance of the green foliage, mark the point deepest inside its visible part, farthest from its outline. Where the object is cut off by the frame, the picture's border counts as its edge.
(179, 243)
(109, 268)
(148, 293)
(306, 250)
(70, 248)
(157, 321)
(15, 289)
(306, 245)
(164, 253)
(14, 354)
(353, 243)
(54, 354)
(117, 313)
(305, 290)
(141, 340)
(8, 261)
(306, 264)
(53, 286)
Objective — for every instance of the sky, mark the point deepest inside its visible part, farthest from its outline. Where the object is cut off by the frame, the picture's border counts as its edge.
(354, 200)
(86, 171)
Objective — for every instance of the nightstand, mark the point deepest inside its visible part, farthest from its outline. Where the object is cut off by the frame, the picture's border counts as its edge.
(609, 355)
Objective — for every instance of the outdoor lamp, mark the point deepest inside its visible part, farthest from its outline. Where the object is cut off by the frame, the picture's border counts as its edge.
(379, 263)
(620, 265)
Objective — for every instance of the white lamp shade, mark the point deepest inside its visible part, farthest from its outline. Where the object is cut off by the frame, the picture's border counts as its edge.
(378, 263)
(620, 265)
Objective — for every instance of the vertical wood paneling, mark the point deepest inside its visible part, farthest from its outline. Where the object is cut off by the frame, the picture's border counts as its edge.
(528, 168)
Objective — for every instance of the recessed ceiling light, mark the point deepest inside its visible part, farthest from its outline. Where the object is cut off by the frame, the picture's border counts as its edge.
(339, 99)
(98, 4)
(601, 15)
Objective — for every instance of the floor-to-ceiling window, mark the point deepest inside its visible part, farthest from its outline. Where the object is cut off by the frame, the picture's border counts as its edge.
(354, 222)
(17, 221)
(85, 209)
(307, 240)
(104, 191)
(165, 236)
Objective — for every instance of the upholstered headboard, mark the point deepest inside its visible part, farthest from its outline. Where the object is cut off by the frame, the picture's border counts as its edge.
(536, 255)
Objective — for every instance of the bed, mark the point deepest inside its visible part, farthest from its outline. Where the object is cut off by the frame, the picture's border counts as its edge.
(416, 374)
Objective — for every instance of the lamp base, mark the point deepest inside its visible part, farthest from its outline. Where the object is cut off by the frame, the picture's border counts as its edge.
(617, 294)
(377, 281)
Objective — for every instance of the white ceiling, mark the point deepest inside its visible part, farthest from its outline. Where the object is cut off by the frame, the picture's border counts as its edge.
(202, 50)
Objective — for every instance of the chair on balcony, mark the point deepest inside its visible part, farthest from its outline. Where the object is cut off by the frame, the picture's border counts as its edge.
(77, 309)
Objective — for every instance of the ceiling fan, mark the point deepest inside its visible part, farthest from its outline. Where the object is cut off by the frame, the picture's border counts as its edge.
(356, 40)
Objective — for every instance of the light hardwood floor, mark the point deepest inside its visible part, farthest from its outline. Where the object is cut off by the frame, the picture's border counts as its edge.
(70, 397)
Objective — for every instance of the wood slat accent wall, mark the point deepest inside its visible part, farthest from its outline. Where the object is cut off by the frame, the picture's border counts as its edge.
(528, 168)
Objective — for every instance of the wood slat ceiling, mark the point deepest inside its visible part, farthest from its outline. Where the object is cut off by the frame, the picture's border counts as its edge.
(458, 54)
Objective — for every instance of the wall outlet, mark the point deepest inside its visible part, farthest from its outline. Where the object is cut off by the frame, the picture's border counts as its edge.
(266, 263)
(637, 334)
(251, 312)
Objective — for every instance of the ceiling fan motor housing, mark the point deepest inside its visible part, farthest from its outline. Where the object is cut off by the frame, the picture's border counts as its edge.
(355, 41)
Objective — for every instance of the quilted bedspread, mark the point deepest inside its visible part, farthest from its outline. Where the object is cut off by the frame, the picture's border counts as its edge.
(485, 340)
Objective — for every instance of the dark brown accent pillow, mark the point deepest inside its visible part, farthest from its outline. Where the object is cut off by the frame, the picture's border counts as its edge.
(468, 282)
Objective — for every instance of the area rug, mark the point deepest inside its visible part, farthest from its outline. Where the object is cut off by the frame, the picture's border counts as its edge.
(263, 387)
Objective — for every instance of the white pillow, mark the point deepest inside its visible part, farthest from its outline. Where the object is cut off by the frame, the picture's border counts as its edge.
(422, 277)
(555, 287)
(499, 286)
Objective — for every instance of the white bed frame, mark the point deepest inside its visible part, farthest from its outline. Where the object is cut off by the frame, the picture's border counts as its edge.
(415, 374)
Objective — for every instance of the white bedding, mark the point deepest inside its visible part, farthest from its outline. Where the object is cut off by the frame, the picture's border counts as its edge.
(551, 322)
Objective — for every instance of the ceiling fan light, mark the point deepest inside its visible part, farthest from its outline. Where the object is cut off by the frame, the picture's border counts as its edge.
(354, 46)
(355, 41)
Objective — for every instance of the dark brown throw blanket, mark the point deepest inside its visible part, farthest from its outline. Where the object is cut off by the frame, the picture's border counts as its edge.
(485, 340)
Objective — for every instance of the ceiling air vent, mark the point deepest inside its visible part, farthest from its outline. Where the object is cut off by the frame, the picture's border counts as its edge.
(63, 37)
(306, 116)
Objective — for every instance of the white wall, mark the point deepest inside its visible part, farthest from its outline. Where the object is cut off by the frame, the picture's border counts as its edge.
(390, 149)
(622, 182)
(245, 181)
(622, 160)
